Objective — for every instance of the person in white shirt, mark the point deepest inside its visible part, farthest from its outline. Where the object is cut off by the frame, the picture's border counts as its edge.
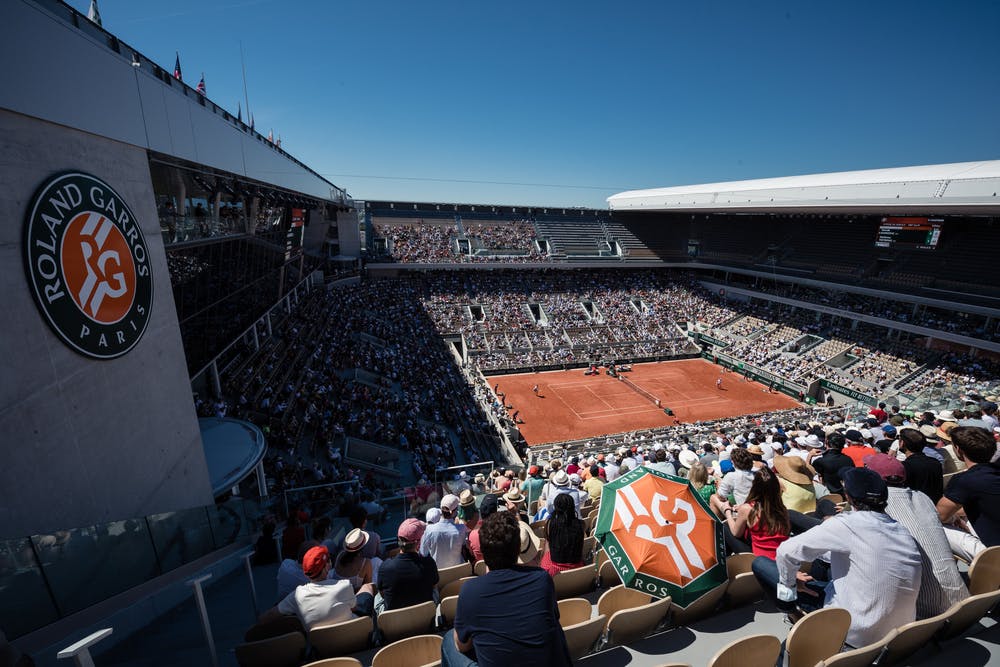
(736, 483)
(875, 565)
(321, 601)
(443, 540)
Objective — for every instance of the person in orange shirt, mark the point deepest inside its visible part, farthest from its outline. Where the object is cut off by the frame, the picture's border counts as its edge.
(856, 449)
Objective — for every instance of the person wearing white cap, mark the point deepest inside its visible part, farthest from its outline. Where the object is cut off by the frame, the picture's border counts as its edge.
(611, 467)
(560, 483)
(443, 540)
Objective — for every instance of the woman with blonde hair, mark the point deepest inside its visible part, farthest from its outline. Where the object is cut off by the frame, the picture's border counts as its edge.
(698, 476)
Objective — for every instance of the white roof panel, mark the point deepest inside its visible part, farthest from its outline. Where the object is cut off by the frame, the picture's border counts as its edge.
(962, 187)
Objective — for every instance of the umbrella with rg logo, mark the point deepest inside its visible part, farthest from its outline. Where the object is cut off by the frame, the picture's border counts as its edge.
(661, 536)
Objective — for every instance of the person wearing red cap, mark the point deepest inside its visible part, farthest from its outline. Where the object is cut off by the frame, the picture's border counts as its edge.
(409, 578)
(533, 485)
(321, 601)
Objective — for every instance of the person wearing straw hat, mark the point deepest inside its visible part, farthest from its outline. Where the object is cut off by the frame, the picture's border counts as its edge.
(515, 503)
(559, 483)
(509, 614)
(350, 563)
(797, 490)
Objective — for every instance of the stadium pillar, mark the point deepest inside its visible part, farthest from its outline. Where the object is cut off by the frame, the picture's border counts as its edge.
(252, 222)
(213, 374)
(215, 205)
(261, 480)
(181, 195)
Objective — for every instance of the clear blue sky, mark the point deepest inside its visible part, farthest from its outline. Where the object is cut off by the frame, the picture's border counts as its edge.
(565, 103)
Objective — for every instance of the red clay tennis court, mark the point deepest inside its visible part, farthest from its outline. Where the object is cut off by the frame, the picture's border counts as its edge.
(571, 405)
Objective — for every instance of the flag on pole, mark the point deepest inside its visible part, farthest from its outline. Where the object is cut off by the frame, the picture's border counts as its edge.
(201, 84)
(270, 136)
(177, 68)
(239, 111)
(251, 120)
(279, 141)
(93, 14)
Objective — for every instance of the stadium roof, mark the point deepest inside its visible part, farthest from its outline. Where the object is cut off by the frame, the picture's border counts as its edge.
(962, 187)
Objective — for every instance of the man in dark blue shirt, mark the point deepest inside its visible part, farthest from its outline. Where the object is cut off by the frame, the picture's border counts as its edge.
(509, 615)
(409, 578)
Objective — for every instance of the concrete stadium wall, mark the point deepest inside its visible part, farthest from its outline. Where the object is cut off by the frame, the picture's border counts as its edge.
(70, 76)
(87, 441)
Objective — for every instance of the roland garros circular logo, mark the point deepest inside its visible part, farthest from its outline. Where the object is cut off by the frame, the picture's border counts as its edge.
(88, 264)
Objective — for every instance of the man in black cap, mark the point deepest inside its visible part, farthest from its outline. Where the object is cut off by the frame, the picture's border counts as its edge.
(875, 565)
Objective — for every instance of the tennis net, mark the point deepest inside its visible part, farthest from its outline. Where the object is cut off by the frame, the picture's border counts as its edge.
(639, 390)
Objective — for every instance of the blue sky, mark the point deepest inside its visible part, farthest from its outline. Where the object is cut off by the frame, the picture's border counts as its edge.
(565, 103)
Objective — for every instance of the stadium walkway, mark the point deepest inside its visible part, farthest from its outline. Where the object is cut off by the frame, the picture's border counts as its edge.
(177, 638)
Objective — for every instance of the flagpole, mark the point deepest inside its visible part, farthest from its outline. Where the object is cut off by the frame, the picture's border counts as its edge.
(243, 64)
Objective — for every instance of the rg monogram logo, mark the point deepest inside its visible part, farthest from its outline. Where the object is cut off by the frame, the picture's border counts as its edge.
(99, 270)
(663, 525)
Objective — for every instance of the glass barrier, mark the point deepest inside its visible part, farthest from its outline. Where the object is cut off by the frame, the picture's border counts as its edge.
(178, 229)
(180, 537)
(46, 577)
(25, 602)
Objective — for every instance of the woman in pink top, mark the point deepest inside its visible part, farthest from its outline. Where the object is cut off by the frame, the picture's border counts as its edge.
(763, 518)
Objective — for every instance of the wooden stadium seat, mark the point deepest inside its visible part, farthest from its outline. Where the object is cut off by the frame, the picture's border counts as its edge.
(860, 657)
(335, 662)
(480, 568)
(738, 564)
(608, 575)
(965, 614)
(453, 573)
(817, 636)
(571, 583)
(582, 637)
(703, 606)
(743, 588)
(285, 650)
(538, 527)
(448, 607)
(984, 573)
(752, 651)
(589, 544)
(419, 651)
(574, 610)
(406, 622)
(351, 636)
(454, 587)
(620, 597)
(629, 625)
(910, 638)
(589, 523)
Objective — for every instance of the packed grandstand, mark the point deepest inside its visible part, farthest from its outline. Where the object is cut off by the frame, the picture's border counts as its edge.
(372, 350)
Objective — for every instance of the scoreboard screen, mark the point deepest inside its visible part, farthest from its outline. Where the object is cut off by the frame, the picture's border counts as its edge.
(919, 233)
